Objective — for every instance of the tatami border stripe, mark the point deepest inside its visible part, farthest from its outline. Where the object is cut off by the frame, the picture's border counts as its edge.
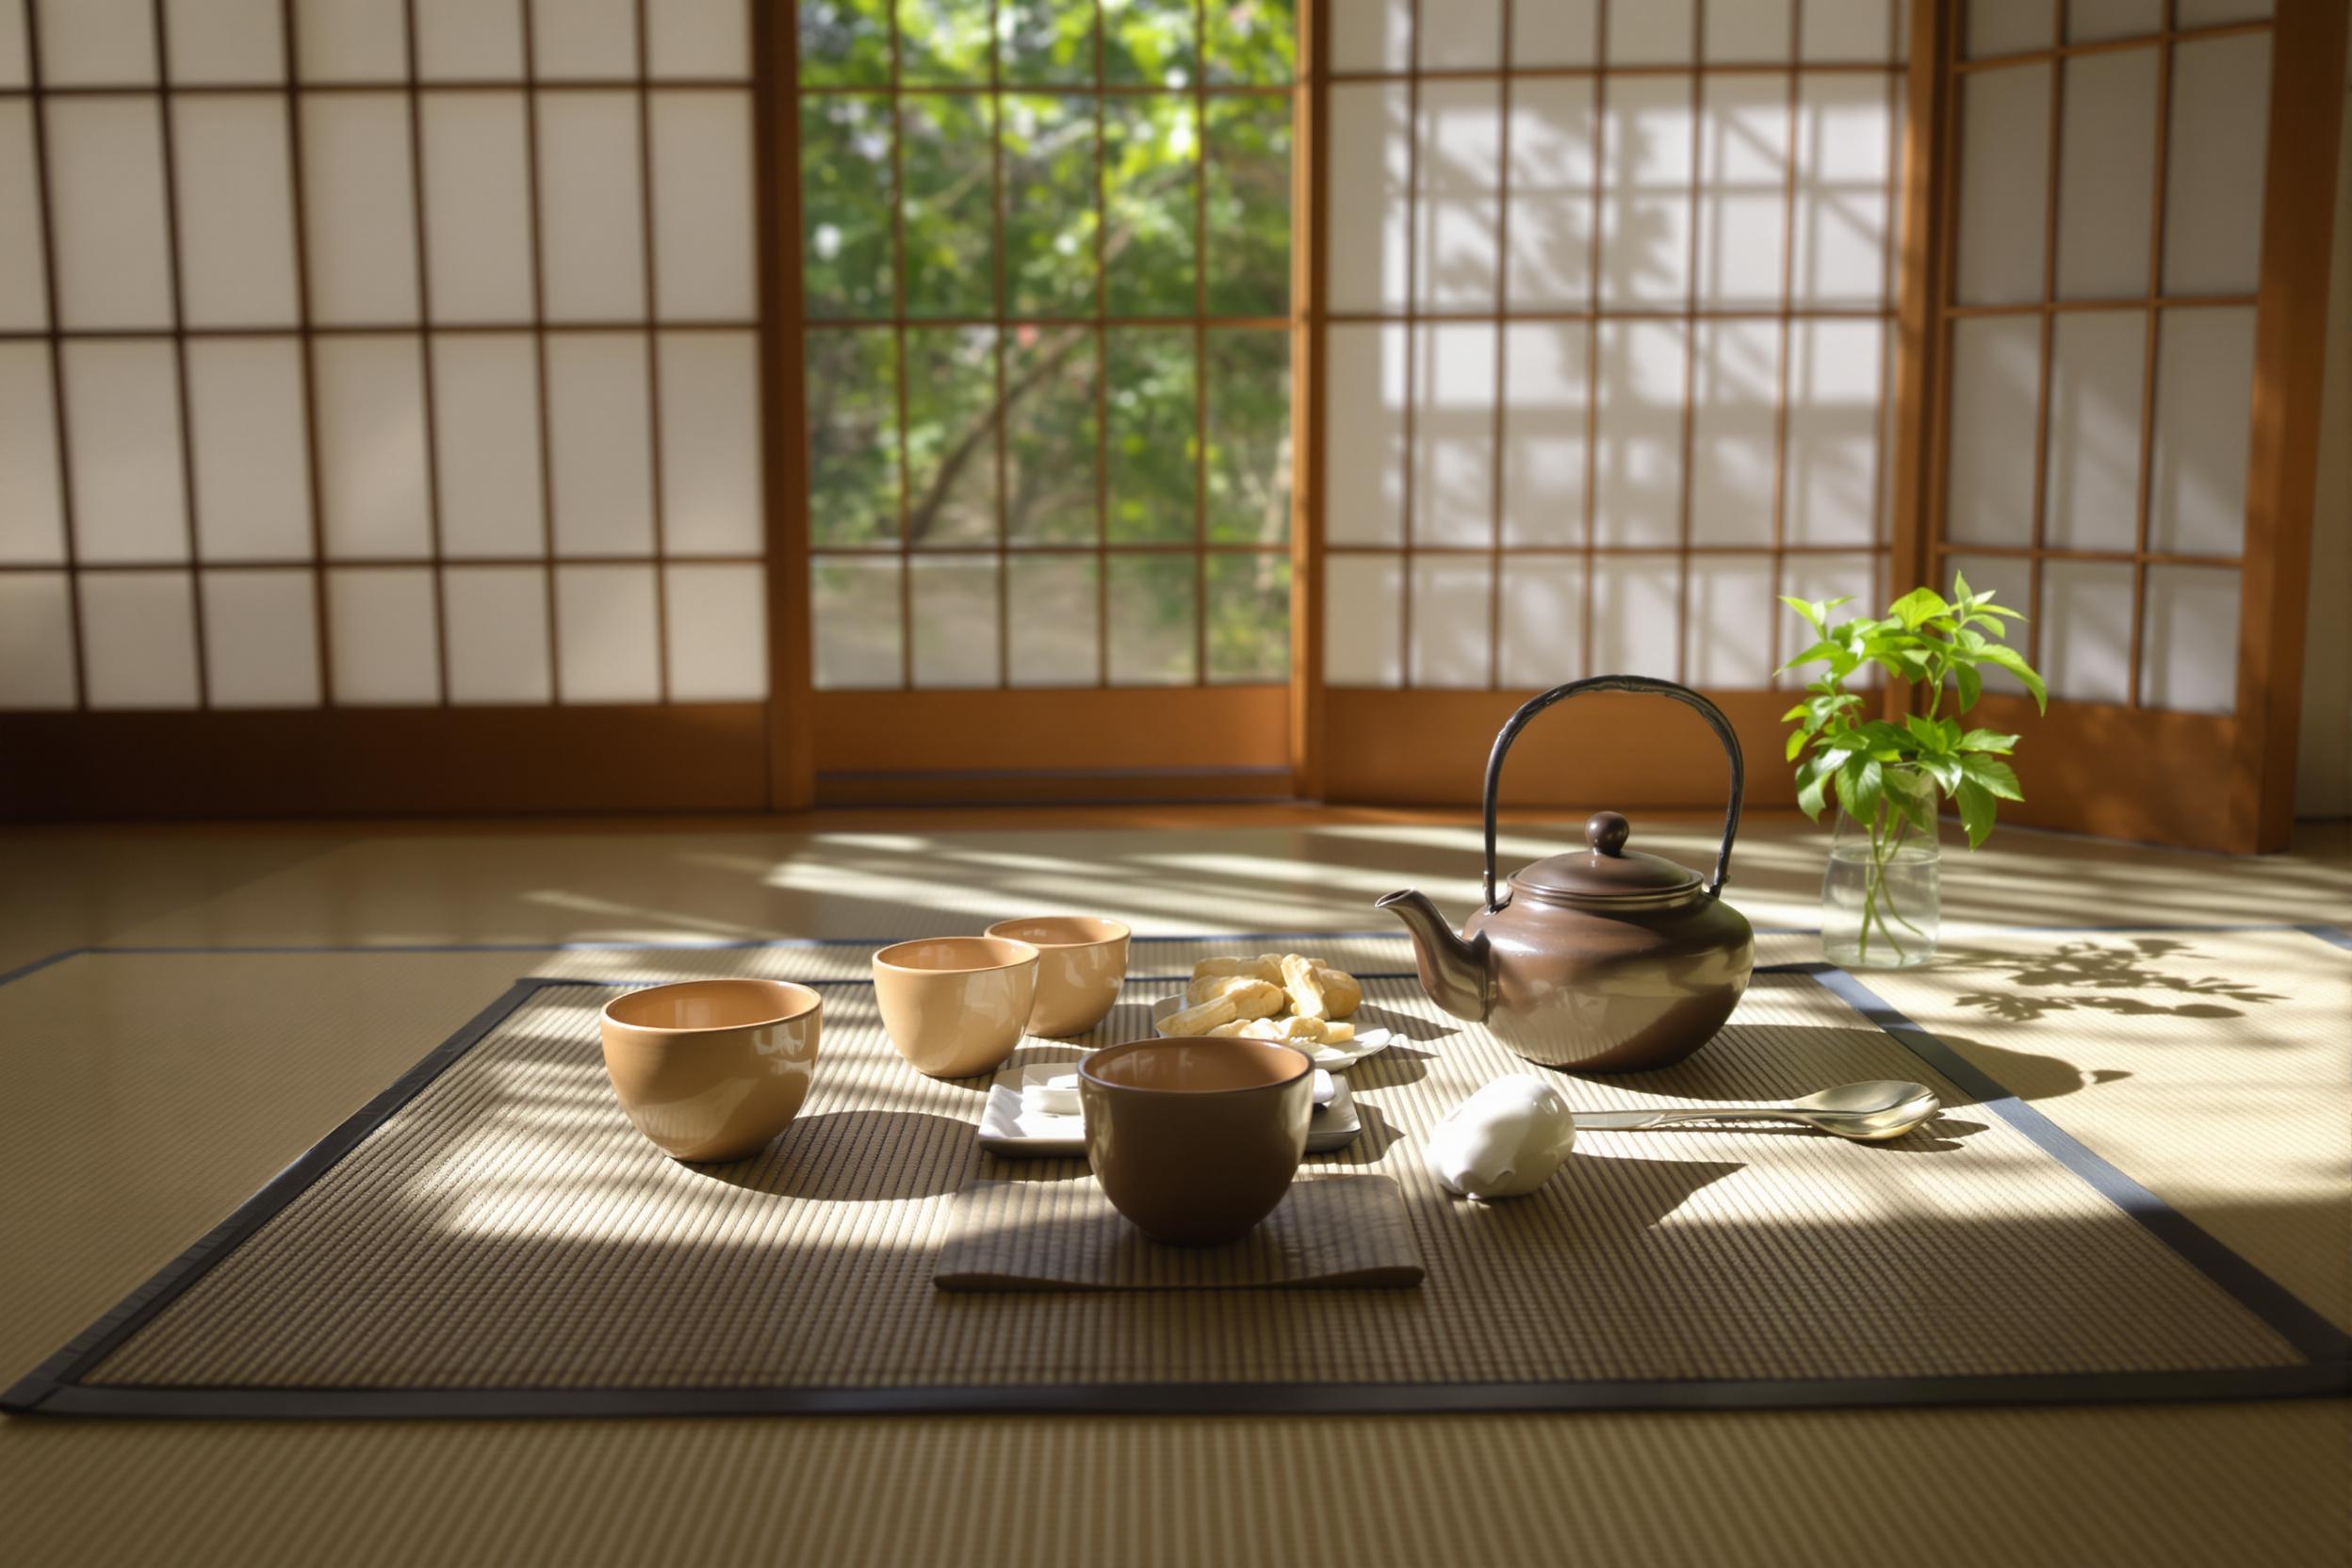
(1322, 1398)
(2332, 935)
(51, 1388)
(95, 1343)
(2297, 1323)
(2329, 934)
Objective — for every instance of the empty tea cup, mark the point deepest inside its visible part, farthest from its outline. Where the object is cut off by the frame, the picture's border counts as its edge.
(711, 1070)
(956, 1006)
(1196, 1139)
(1082, 962)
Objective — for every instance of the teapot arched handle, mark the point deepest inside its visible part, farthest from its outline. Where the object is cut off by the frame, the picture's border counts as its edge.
(1684, 694)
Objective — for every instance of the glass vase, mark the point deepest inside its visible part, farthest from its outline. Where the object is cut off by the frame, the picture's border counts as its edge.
(1881, 897)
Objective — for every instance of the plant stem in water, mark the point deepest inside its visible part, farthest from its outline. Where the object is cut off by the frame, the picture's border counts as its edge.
(1878, 903)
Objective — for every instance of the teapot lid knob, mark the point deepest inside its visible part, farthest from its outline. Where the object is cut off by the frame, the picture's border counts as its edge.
(1606, 832)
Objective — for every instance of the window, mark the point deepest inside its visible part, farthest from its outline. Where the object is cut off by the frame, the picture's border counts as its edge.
(1046, 302)
(1611, 291)
(378, 356)
(2103, 349)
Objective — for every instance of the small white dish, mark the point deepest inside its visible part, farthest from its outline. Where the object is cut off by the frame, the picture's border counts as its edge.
(1013, 1127)
(1331, 1058)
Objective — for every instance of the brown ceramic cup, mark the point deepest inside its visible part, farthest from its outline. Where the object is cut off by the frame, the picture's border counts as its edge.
(1082, 962)
(956, 1006)
(1196, 1139)
(711, 1070)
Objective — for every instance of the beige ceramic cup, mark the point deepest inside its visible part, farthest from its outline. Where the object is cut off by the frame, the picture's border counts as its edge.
(1081, 963)
(1196, 1139)
(711, 1070)
(956, 1006)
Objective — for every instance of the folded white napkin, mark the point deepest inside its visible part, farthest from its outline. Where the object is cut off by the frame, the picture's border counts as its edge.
(1053, 1091)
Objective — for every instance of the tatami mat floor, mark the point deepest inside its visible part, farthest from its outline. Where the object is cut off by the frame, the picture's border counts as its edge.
(148, 1090)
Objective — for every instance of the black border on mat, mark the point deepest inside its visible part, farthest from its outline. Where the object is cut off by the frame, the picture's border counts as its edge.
(54, 1387)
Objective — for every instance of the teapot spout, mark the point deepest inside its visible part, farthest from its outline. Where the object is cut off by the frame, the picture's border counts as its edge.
(1453, 972)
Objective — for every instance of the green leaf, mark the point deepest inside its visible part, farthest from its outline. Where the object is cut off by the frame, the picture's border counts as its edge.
(1798, 741)
(1812, 783)
(1913, 793)
(1944, 769)
(1794, 714)
(1992, 776)
(1908, 783)
(1880, 736)
(1960, 594)
(1976, 810)
(1971, 685)
(1819, 651)
(1860, 787)
(1989, 739)
(2011, 659)
(1915, 607)
(1816, 610)
(1929, 734)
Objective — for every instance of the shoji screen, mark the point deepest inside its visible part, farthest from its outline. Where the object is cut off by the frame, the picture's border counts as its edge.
(2120, 320)
(1608, 293)
(378, 355)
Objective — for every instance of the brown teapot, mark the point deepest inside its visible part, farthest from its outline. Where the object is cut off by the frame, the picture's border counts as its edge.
(1604, 960)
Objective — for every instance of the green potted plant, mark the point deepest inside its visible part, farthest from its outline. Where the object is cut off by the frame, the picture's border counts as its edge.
(1881, 900)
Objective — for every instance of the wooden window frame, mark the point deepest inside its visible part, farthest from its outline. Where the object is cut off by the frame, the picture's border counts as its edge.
(336, 760)
(2227, 779)
(2212, 781)
(1677, 765)
(1198, 739)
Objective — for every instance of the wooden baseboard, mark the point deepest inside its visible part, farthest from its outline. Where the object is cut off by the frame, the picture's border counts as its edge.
(1143, 787)
(1607, 750)
(2144, 776)
(1042, 732)
(357, 761)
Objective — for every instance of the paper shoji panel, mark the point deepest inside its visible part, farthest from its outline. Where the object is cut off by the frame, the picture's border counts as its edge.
(234, 174)
(32, 510)
(383, 629)
(608, 633)
(108, 224)
(261, 639)
(140, 630)
(498, 646)
(2100, 336)
(487, 445)
(1046, 262)
(468, 41)
(476, 148)
(225, 42)
(37, 667)
(251, 465)
(123, 402)
(24, 270)
(97, 42)
(327, 327)
(1608, 365)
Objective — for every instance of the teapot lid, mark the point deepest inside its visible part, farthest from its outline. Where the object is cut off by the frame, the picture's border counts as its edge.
(1604, 870)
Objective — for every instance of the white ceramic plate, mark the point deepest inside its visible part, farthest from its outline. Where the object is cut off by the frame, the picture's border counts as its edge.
(1331, 1058)
(1012, 1130)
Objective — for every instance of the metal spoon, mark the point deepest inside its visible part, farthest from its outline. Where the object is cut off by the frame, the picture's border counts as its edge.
(1867, 1113)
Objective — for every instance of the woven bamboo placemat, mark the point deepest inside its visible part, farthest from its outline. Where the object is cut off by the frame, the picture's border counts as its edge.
(1327, 1231)
(492, 1237)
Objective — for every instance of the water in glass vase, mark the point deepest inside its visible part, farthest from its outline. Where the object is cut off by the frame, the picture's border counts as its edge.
(1881, 896)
